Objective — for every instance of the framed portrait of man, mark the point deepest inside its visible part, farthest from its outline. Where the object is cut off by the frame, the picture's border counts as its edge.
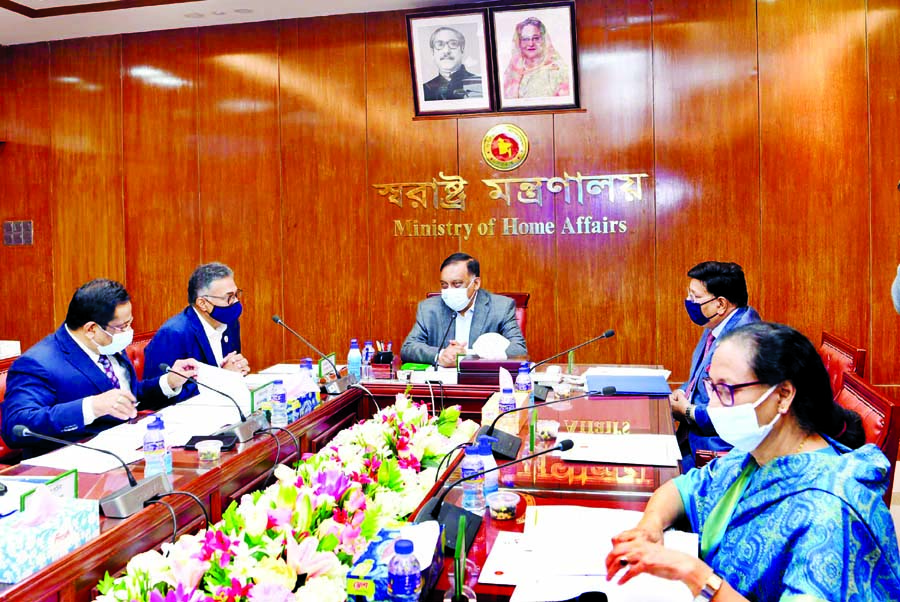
(449, 56)
(535, 56)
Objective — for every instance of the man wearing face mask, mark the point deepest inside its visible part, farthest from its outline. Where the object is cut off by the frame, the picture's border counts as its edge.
(472, 310)
(208, 329)
(77, 381)
(717, 301)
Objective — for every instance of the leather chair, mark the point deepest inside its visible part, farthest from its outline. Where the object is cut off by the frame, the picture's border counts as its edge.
(880, 417)
(521, 300)
(840, 356)
(7, 454)
(135, 351)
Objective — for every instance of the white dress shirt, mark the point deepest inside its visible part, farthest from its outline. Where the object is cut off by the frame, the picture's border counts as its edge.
(464, 324)
(87, 407)
(214, 336)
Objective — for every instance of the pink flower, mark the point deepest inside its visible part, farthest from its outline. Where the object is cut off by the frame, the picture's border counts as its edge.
(331, 482)
(303, 558)
(355, 501)
(270, 592)
(216, 541)
(410, 462)
(189, 572)
(235, 593)
(279, 517)
(180, 595)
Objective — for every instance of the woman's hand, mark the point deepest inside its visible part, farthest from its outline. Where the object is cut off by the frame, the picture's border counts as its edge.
(642, 532)
(638, 555)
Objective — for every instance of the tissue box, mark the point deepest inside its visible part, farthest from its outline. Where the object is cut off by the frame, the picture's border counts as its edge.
(261, 395)
(511, 423)
(367, 580)
(26, 550)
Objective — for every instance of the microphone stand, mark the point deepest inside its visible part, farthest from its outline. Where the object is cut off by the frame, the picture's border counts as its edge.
(332, 387)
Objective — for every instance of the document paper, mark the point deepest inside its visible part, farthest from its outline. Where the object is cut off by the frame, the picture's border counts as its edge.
(632, 448)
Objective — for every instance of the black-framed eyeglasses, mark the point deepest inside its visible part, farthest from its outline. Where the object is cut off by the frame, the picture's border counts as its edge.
(725, 392)
(451, 44)
(230, 298)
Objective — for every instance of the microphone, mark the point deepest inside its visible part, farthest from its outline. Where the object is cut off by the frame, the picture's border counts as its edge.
(606, 335)
(449, 515)
(243, 430)
(444, 338)
(335, 387)
(127, 500)
(507, 445)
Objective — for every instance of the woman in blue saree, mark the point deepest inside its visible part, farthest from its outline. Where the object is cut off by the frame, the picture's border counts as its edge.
(795, 512)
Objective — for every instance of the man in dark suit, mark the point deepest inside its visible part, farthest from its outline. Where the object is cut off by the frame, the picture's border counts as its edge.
(207, 329)
(717, 300)
(476, 312)
(453, 81)
(77, 381)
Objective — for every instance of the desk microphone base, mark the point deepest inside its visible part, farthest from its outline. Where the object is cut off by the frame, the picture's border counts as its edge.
(506, 446)
(130, 499)
(338, 386)
(449, 517)
(244, 431)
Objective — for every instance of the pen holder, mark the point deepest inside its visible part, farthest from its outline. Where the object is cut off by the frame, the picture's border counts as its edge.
(467, 595)
(383, 365)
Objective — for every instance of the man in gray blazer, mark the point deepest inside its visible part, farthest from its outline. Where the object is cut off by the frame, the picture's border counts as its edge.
(472, 312)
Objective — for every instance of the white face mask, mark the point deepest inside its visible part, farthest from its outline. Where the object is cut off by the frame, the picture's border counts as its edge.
(120, 341)
(456, 298)
(739, 426)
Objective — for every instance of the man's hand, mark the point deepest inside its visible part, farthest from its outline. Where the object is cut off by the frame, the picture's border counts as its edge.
(679, 403)
(447, 358)
(117, 403)
(188, 367)
(236, 362)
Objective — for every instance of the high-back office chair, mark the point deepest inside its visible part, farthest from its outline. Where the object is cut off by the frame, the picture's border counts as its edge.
(880, 417)
(7, 454)
(521, 300)
(840, 356)
(135, 351)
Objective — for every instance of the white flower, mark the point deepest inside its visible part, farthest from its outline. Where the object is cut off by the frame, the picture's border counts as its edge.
(152, 563)
(323, 589)
(254, 514)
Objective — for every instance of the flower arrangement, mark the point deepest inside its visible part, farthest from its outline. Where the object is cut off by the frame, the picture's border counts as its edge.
(295, 540)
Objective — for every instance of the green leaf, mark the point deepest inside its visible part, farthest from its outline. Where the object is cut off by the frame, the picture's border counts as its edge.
(232, 522)
(389, 475)
(328, 543)
(106, 583)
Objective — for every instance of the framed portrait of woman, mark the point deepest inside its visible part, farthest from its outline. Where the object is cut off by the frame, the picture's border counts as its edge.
(449, 58)
(535, 56)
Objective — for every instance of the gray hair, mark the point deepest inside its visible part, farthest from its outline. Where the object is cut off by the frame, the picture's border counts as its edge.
(204, 276)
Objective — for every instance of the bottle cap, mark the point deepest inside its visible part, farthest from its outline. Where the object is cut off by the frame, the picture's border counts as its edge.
(471, 449)
(484, 444)
(524, 367)
(157, 424)
(403, 546)
(278, 382)
(368, 343)
(507, 390)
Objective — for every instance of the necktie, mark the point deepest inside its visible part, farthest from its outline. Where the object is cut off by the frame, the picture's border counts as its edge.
(108, 369)
(709, 341)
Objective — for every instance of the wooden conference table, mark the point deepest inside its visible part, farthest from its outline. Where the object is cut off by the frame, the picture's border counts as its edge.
(74, 577)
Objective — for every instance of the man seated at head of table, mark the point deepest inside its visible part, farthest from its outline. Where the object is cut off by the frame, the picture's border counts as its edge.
(208, 329)
(477, 311)
(717, 301)
(795, 511)
(77, 381)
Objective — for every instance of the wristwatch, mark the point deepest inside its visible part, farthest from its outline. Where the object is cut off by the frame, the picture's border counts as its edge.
(710, 588)
(689, 414)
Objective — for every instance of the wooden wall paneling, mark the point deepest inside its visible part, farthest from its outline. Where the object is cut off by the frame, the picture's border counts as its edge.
(162, 213)
(240, 196)
(512, 257)
(27, 280)
(707, 156)
(400, 149)
(323, 138)
(883, 27)
(86, 164)
(814, 167)
(608, 279)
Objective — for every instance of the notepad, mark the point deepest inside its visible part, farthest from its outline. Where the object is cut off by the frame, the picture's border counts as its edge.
(633, 448)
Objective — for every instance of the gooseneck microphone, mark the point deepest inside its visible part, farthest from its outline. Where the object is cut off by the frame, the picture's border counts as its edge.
(606, 335)
(335, 387)
(444, 338)
(243, 430)
(507, 445)
(127, 500)
(449, 515)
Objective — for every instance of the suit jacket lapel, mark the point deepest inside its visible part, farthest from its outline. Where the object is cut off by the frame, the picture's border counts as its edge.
(202, 339)
(482, 308)
(80, 360)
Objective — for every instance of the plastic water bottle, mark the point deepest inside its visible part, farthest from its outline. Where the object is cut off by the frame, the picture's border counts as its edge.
(507, 402)
(309, 391)
(354, 360)
(368, 354)
(279, 405)
(473, 489)
(523, 380)
(404, 573)
(491, 483)
(157, 457)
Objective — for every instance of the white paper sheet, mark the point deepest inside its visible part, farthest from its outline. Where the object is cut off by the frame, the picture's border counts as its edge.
(123, 440)
(627, 371)
(633, 448)
(228, 382)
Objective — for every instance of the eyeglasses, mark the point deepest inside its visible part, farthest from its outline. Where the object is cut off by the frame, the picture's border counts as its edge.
(122, 328)
(533, 40)
(725, 392)
(451, 44)
(457, 284)
(230, 298)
